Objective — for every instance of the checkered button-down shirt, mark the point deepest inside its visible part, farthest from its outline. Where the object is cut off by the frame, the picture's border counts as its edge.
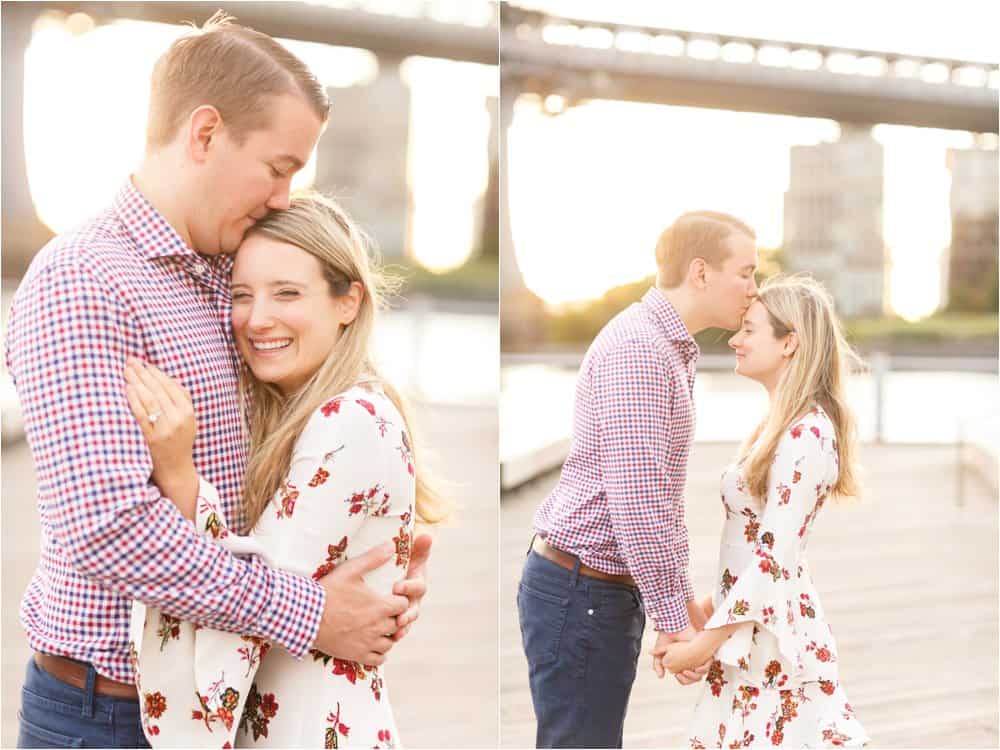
(619, 503)
(126, 284)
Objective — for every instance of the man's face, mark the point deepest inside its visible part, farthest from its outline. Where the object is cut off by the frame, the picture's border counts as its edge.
(732, 288)
(241, 184)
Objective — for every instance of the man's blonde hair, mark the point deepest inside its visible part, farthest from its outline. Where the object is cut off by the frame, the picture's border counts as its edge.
(696, 234)
(232, 68)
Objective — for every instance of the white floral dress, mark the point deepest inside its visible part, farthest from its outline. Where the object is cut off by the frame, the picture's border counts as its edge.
(775, 682)
(350, 488)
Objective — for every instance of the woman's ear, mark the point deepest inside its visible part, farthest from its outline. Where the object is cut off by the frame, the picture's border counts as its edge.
(791, 344)
(349, 303)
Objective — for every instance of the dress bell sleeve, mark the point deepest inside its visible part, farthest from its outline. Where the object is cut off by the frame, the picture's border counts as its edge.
(761, 593)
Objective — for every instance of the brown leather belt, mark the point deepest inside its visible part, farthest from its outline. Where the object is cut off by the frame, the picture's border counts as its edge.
(568, 561)
(74, 673)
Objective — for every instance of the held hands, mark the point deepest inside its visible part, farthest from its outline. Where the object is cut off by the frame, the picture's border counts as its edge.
(683, 655)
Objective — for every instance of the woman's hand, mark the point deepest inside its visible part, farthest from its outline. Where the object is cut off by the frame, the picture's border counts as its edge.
(165, 413)
(685, 655)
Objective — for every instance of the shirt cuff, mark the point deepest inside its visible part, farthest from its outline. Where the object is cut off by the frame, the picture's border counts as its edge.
(672, 615)
(293, 616)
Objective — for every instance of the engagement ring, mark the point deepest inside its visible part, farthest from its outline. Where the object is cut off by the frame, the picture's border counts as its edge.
(154, 416)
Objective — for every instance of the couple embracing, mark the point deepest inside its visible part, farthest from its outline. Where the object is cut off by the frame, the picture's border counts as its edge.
(194, 363)
(611, 547)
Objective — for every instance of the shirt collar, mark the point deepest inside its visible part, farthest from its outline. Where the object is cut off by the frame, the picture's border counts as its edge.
(670, 324)
(154, 238)
(153, 235)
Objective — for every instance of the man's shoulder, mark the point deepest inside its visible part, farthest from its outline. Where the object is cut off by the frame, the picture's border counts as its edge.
(628, 335)
(93, 248)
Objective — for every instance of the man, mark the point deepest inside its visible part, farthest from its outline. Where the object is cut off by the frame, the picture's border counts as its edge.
(232, 116)
(610, 540)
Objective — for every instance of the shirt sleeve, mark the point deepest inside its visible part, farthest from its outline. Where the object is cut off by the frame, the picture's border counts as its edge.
(93, 470)
(338, 500)
(632, 399)
(761, 592)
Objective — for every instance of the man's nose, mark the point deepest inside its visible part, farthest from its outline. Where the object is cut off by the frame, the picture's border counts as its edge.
(279, 199)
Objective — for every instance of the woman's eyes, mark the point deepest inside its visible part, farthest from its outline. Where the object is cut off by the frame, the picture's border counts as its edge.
(285, 293)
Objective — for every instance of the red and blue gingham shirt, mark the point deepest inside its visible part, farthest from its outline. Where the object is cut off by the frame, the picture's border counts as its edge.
(126, 284)
(619, 503)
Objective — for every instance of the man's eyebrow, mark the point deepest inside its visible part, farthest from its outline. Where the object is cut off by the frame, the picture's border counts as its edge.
(294, 160)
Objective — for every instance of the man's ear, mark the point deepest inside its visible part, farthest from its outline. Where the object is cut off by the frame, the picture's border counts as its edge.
(203, 124)
(696, 273)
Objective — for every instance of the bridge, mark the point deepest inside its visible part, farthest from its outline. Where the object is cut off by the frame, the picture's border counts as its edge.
(391, 37)
(578, 59)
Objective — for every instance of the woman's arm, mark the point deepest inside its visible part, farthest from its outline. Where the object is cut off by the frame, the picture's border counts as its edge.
(165, 413)
(691, 654)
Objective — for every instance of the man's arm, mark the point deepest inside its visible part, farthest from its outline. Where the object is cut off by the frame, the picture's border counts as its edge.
(69, 345)
(632, 391)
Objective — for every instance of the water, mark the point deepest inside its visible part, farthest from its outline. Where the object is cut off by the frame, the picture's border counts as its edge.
(536, 407)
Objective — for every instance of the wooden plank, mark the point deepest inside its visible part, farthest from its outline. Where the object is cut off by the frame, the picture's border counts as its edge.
(908, 580)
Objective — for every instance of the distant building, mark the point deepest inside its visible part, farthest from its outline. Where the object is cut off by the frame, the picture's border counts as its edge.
(972, 257)
(362, 156)
(833, 220)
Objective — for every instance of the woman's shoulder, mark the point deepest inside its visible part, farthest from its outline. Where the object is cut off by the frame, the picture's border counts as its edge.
(813, 427)
(358, 408)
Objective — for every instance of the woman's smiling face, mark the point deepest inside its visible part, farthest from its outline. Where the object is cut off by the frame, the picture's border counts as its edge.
(285, 318)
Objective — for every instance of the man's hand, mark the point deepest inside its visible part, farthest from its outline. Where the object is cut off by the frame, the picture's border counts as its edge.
(358, 623)
(413, 587)
(663, 640)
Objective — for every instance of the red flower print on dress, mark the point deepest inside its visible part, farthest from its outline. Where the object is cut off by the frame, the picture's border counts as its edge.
(373, 502)
(368, 406)
(752, 527)
(806, 606)
(384, 740)
(697, 744)
(352, 670)
(728, 581)
(288, 494)
(156, 704)
(224, 699)
(402, 542)
(744, 701)
(747, 741)
(822, 653)
(258, 712)
(785, 493)
(333, 553)
(715, 678)
(169, 629)
(767, 615)
(796, 431)
(322, 474)
(814, 430)
(331, 407)
(254, 653)
(213, 521)
(767, 539)
(406, 452)
(827, 686)
(338, 728)
(376, 685)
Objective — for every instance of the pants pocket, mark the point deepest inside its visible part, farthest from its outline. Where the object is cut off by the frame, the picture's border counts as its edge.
(542, 618)
(31, 735)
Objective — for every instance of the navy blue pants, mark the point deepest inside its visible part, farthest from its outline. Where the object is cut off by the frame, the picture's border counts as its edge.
(54, 714)
(582, 637)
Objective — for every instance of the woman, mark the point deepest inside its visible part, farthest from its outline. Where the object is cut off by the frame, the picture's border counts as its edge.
(773, 678)
(331, 474)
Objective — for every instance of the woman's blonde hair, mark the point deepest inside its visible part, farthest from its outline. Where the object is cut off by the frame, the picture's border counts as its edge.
(320, 227)
(232, 68)
(816, 375)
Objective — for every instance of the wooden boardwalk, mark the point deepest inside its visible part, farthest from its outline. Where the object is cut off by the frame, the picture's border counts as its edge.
(908, 579)
(442, 678)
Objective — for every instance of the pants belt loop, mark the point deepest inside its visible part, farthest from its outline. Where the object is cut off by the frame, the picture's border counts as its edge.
(531, 544)
(576, 572)
(88, 692)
